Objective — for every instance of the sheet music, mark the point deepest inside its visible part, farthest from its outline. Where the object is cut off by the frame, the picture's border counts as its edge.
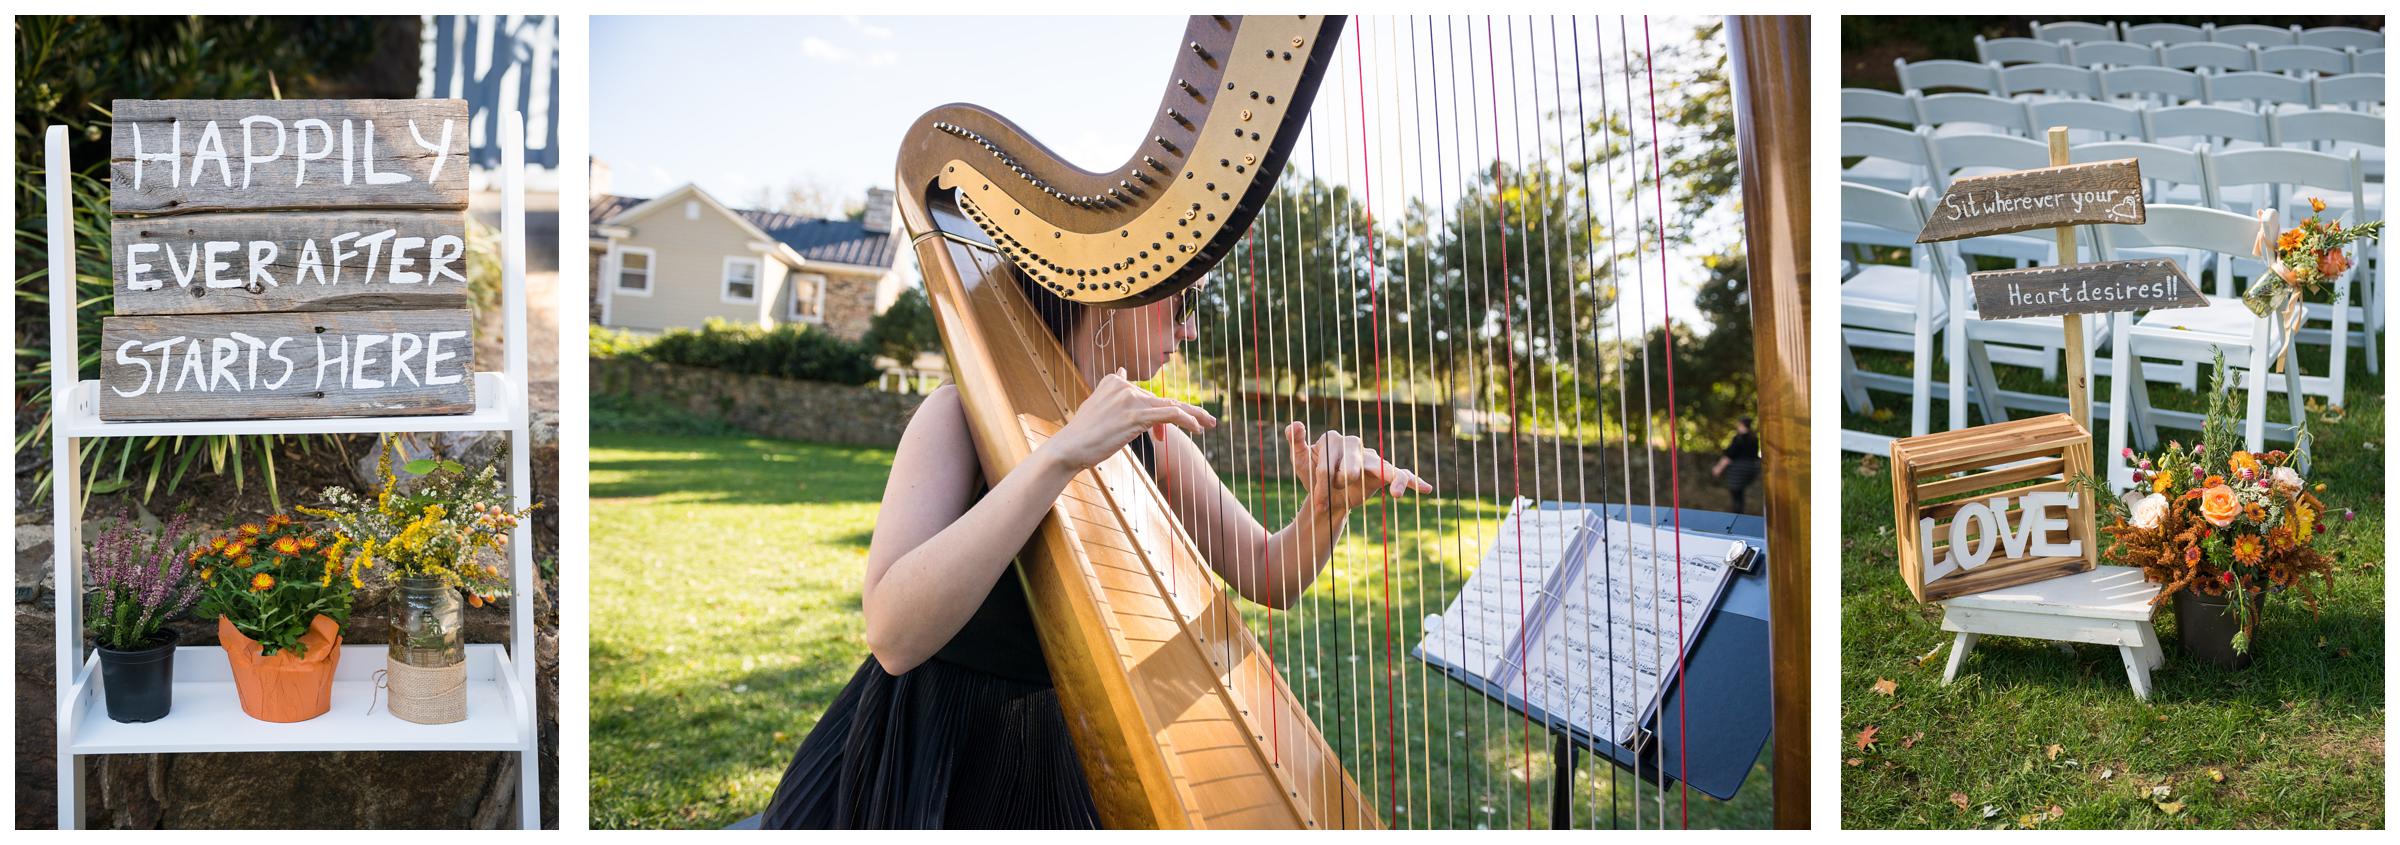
(1603, 638)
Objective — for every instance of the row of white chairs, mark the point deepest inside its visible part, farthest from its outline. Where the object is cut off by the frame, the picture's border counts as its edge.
(2242, 181)
(2195, 55)
(1908, 308)
(2361, 91)
(2255, 35)
(2225, 127)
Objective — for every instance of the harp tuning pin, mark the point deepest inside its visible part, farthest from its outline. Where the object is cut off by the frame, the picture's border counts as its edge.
(1164, 143)
(1187, 88)
(1296, 42)
(1179, 118)
(1198, 51)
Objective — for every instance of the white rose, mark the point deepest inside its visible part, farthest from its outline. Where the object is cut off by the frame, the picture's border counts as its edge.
(2285, 479)
(2148, 509)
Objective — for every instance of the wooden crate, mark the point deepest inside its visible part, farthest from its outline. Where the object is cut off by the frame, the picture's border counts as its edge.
(1937, 475)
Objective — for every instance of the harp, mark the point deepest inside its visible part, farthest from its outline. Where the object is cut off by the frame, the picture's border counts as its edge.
(1187, 708)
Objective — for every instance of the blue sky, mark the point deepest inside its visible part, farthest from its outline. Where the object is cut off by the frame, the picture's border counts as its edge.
(741, 104)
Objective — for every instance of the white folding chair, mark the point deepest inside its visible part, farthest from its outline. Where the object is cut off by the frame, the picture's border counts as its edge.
(2212, 237)
(1963, 113)
(2297, 59)
(2087, 121)
(2074, 31)
(2206, 54)
(1889, 307)
(2049, 82)
(2257, 90)
(2354, 91)
(2176, 175)
(2161, 33)
(2008, 51)
(1883, 106)
(1947, 73)
(2366, 61)
(2337, 131)
(2216, 126)
(1953, 156)
(1888, 158)
(2099, 54)
(2284, 179)
(2341, 37)
(2254, 35)
(1975, 344)
(2154, 85)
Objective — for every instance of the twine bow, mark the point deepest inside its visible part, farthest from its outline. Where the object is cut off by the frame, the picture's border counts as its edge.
(2275, 291)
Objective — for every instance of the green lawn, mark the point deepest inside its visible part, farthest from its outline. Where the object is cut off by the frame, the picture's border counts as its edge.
(726, 617)
(2031, 735)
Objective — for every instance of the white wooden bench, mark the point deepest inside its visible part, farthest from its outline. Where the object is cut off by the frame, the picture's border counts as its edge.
(2109, 605)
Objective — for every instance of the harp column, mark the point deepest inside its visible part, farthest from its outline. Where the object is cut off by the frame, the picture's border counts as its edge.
(1770, 92)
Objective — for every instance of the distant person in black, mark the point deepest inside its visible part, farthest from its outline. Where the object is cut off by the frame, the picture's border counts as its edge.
(1738, 468)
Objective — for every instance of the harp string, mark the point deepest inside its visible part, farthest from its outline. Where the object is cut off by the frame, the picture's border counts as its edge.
(1382, 447)
(1674, 428)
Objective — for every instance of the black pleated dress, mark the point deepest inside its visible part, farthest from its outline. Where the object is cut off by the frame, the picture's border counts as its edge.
(972, 738)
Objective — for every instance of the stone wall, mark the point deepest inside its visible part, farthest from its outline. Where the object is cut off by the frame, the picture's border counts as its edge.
(849, 304)
(828, 413)
(769, 406)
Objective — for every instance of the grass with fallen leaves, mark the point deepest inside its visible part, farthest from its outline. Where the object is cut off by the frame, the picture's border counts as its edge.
(725, 617)
(2033, 735)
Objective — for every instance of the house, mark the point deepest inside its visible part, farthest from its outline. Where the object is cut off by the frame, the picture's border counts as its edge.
(679, 259)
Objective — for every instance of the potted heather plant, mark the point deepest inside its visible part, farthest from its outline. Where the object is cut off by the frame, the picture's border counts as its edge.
(437, 542)
(139, 579)
(281, 593)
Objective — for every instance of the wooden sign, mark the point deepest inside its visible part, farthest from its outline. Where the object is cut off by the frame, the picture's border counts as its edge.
(1992, 506)
(180, 156)
(250, 262)
(2097, 288)
(250, 366)
(2066, 195)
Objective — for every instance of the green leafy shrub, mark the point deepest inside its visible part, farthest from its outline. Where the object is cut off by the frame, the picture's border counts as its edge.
(905, 330)
(606, 342)
(786, 351)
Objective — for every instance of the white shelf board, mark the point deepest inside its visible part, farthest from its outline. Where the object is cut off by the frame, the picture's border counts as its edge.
(492, 401)
(207, 713)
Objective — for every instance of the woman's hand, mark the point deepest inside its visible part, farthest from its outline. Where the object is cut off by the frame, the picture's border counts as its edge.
(1115, 412)
(1341, 472)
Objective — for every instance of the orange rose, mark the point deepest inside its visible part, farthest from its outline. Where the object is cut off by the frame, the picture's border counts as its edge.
(2332, 263)
(2220, 505)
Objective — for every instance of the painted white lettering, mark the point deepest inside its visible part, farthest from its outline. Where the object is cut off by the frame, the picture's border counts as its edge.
(434, 356)
(250, 156)
(361, 361)
(300, 154)
(211, 146)
(124, 359)
(135, 267)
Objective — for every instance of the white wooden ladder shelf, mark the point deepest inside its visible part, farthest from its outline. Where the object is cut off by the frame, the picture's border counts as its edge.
(501, 712)
(2109, 605)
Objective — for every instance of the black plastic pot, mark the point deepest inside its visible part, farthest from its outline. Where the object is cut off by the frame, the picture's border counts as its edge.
(139, 684)
(2206, 625)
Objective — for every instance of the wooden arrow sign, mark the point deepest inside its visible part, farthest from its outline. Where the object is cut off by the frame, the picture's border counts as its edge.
(2100, 192)
(2102, 287)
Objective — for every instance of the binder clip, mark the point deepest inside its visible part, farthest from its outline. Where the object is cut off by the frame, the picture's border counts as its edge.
(1741, 557)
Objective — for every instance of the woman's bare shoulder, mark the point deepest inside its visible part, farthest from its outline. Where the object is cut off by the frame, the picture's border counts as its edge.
(939, 426)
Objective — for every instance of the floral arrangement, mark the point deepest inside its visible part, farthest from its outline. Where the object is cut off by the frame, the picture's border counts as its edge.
(271, 578)
(138, 581)
(442, 527)
(2219, 520)
(2307, 257)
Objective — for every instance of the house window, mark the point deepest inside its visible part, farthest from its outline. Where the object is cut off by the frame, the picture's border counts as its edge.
(741, 280)
(633, 269)
(808, 297)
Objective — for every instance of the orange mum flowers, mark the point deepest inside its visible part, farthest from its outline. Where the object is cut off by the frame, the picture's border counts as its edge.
(262, 582)
(2247, 549)
(288, 546)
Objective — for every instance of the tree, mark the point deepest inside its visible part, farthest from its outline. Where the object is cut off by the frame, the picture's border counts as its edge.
(905, 330)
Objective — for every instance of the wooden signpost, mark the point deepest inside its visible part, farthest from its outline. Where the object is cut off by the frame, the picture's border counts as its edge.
(1995, 492)
(2084, 289)
(288, 259)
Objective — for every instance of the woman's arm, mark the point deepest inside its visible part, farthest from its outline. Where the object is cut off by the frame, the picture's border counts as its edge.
(1231, 539)
(937, 550)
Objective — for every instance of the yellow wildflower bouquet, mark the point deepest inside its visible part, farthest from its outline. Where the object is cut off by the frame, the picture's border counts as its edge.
(453, 525)
(271, 578)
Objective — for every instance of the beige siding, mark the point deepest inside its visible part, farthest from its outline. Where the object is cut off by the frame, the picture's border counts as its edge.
(687, 278)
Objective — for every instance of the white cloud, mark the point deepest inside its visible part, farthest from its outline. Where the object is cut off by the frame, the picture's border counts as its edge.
(867, 29)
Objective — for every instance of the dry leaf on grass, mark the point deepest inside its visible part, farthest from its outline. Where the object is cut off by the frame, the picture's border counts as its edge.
(1887, 686)
(2028, 821)
(2217, 775)
(2055, 812)
(1866, 737)
(1855, 761)
(2172, 807)
(1910, 741)
(2052, 750)
(1960, 799)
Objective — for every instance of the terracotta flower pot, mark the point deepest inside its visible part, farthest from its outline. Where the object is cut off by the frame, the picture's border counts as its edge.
(2206, 625)
(284, 687)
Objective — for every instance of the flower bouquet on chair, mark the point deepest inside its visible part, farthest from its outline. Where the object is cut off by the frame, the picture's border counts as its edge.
(2307, 258)
(2222, 528)
(281, 594)
(138, 580)
(438, 542)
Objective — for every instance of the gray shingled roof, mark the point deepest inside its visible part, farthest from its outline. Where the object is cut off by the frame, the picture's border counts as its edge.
(837, 241)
